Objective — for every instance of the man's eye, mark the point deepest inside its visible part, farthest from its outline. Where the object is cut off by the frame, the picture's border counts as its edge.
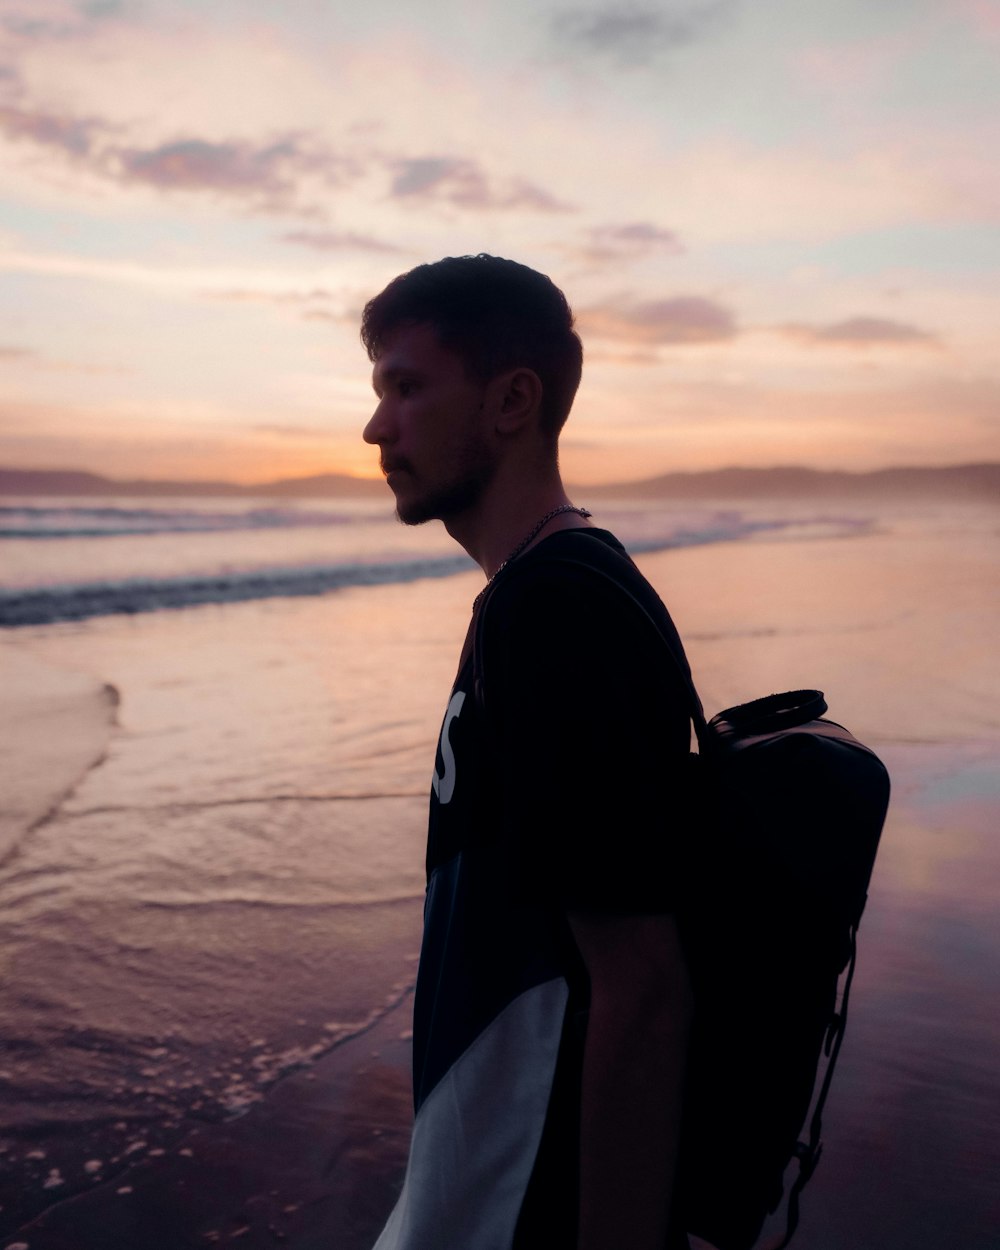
(406, 388)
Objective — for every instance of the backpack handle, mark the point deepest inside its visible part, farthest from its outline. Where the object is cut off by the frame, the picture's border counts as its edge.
(772, 712)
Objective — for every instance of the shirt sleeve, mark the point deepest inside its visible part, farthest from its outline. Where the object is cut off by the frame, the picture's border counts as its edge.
(590, 741)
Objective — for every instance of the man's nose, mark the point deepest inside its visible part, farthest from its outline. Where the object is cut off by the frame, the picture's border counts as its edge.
(376, 431)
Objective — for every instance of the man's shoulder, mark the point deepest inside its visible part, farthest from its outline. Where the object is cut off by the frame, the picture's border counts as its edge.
(586, 544)
(575, 568)
(576, 595)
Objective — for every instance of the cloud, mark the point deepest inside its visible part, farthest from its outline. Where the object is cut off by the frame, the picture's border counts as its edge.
(633, 35)
(75, 136)
(273, 175)
(36, 20)
(337, 240)
(413, 177)
(462, 182)
(9, 352)
(268, 174)
(102, 8)
(195, 164)
(685, 319)
(863, 332)
(638, 233)
(624, 242)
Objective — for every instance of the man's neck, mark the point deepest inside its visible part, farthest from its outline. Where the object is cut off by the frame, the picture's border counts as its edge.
(502, 519)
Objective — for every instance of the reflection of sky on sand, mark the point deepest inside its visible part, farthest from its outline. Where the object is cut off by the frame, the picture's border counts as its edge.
(893, 624)
(975, 781)
(939, 863)
(912, 1128)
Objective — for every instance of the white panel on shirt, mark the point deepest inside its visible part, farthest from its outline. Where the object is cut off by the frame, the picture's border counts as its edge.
(477, 1134)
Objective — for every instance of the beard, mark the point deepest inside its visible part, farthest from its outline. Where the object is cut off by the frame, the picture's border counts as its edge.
(460, 491)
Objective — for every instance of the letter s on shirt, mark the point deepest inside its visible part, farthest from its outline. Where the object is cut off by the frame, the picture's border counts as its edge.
(444, 786)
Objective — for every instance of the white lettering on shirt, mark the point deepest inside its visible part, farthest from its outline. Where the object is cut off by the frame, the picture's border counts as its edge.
(444, 786)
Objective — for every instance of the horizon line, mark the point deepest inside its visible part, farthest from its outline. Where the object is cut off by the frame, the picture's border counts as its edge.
(361, 480)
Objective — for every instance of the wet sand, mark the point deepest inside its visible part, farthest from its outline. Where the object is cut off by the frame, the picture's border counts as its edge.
(55, 726)
(316, 1165)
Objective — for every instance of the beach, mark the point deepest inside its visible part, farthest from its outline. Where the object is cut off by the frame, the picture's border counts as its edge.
(211, 878)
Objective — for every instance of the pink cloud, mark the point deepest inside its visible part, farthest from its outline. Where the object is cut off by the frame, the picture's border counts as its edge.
(45, 20)
(623, 242)
(462, 182)
(685, 319)
(270, 175)
(195, 164)
(863, 332)
(75, 136)
(267, 173)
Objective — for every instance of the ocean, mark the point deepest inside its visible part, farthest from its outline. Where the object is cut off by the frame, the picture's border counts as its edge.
(67, 561)
(217, 731)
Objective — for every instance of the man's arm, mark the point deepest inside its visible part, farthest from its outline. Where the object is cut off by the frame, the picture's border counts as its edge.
(633, 1070)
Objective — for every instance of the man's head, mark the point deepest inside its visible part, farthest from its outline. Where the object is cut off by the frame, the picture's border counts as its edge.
(495, 315)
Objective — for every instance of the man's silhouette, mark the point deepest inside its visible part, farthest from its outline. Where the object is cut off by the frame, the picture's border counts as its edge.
(552, 1001)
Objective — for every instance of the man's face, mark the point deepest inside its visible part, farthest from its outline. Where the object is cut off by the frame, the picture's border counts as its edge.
(429, 427)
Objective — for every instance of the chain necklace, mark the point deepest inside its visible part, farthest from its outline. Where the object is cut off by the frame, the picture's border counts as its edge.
(566, 507)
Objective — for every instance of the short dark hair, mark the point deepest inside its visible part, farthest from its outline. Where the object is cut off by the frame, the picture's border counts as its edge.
(495, 315)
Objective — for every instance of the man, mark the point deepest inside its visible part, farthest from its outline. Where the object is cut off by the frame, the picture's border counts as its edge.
(552, 999)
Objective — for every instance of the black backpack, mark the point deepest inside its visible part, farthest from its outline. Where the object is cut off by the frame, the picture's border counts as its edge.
(779, 879)
(789, 809)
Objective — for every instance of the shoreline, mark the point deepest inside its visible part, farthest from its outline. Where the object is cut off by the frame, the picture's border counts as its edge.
(318, 1162)
(57, 726)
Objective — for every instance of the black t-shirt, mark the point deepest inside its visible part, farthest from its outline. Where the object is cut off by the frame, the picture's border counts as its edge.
(558, 786)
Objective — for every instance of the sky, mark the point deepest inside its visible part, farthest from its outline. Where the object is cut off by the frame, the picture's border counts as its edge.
(777, 221)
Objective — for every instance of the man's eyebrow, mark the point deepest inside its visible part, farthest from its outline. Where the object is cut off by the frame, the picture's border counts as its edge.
(392, 373)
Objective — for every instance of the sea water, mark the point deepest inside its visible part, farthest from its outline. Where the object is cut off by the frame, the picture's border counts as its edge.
(67, 560)
(213, 815)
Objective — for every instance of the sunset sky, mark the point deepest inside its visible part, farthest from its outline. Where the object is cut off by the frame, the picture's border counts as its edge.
(778, 222)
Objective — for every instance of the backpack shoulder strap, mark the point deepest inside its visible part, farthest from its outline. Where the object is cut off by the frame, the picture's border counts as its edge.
(807, 1153)
(613, 569)
(605, 565)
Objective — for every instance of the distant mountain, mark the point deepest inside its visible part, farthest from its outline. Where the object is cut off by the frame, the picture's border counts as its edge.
(963, 481)
(73, 482)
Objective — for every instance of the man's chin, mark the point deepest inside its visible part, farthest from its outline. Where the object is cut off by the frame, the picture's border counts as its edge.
(413, 514)
(412, 510)
(443, 504)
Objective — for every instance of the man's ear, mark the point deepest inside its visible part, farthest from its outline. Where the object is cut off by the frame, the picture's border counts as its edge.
(518, 400)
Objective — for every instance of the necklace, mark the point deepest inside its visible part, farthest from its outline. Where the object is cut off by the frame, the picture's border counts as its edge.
(566, 507)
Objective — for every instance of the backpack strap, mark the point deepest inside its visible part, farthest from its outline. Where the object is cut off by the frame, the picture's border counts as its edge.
(695, 710)
(808, 1152)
